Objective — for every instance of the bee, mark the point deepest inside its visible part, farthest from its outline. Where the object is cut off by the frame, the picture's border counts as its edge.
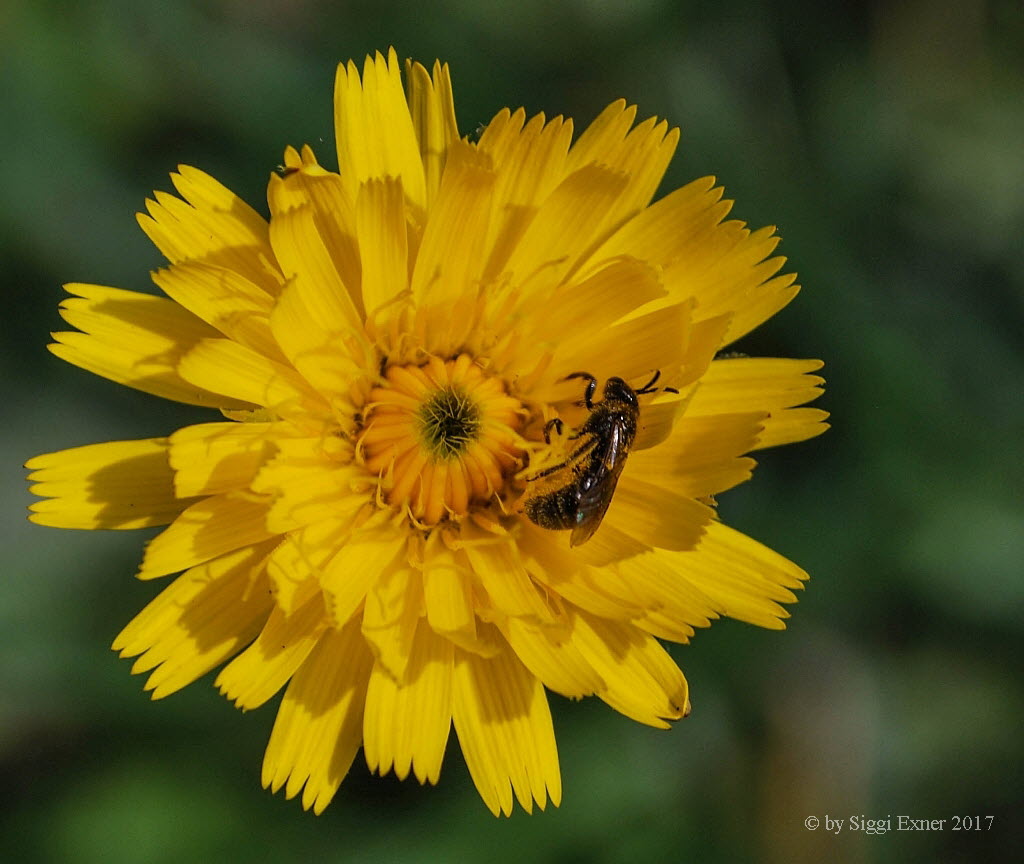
(576, 492)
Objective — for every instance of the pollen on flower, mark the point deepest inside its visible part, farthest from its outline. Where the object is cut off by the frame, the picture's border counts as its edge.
(442, 436)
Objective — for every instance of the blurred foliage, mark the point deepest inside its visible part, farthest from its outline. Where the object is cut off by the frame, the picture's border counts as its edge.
(885, 141)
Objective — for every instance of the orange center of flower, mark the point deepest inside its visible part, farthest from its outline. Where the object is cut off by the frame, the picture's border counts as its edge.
(441, 436)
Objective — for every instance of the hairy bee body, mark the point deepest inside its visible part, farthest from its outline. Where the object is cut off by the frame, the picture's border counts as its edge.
(576, 493)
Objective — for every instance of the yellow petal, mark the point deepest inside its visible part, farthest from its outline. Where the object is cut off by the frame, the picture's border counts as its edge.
(723, 266)
(283, 645)
(306, 185)
(504, 726)
(119, 484)
(756, 384)
(393, 607)
(562, 570)
(294, 566)
(706, 337)
(792, 425)
(497, 564)
(381, 230)
(728, 270)
(549, 653)
(771, 385)
(656, 582)
(596, 302)
(406, 725)
(641, 679)
(641, 153)
(665, 627)
(286, 188)
(432, 108)
(205, 616)
(210, 458)
(449, 260)
(529, 162)
(659, 234)
(660, 599)
(607, 131)
(645, 155)
(609, 545)
(448, 594)
(742, 578)
(225, 300)
(565, 226)
(207, 529)
(356, 566)
(209, 196)
(309, 489)
(212, 225)
(319, 725)
(657, 516)
(759, 304)
(306, 260)
(631, 350)
(702, 455)
(245, 376)
(327, 353)
(317, 321)
(374, 130)
(657, 420)
(137, 340)
(682, 232)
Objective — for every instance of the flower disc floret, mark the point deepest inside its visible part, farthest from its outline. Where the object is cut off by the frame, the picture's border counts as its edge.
(441, 436)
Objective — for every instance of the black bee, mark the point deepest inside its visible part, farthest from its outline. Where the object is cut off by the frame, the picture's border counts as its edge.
(576, 493)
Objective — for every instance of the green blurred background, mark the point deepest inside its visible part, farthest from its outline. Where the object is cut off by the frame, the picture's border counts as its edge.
(885, 139)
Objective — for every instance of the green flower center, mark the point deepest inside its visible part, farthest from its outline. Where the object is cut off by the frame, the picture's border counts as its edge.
(448, 422)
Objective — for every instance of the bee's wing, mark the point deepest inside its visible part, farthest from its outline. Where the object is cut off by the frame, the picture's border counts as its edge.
(595, 499)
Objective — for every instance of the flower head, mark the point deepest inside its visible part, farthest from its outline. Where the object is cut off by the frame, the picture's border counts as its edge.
(409, 358)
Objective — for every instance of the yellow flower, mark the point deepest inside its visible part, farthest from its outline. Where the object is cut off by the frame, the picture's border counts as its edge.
(409, 358)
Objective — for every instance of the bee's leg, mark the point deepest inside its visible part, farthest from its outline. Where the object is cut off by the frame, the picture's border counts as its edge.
(589, 444)
(575, 456)
(553, 423)
(650, 388)
(588, 394)
(547, 471)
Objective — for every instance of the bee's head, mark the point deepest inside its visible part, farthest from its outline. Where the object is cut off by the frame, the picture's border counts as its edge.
(617, 390)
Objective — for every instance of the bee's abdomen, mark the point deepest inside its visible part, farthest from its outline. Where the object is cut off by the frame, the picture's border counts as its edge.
(555, 511)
